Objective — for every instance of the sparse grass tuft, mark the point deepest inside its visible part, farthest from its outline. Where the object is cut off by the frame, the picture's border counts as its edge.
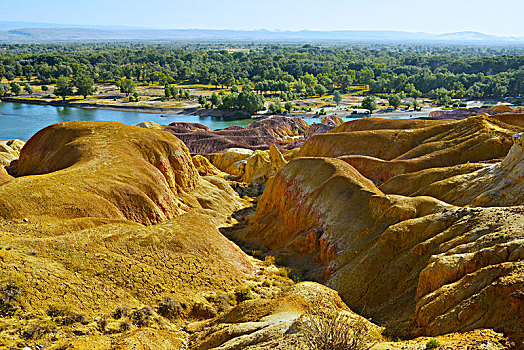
(432, 344)
(125, 326)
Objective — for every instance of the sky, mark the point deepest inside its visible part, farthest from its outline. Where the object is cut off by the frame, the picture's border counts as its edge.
(501, 17)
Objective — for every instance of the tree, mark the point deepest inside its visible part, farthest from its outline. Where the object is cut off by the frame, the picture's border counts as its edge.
(227, 79)
(127, 86)
(167, 91)
(173, 91)
(246, 101)
(416, 94)
(45, 88)
(84, 85)
(394, 100)
(234, 88)
(213, 79)
(247, 87)
(416, 105)
(276, 107)
(366, 75)
(288, 106)
(370, 103)
(250, 102)
(202, 100)
(320, 89)
(28, 88)
(300, 86)
(345, 81)
(4, 89)
(337, 97)
(444, 100)
(215, 99)
(63, 88)
(16, 89)
(499, 91)
(309, 80)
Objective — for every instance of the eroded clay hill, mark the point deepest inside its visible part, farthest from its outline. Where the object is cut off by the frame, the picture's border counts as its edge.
(410, 253)
(109, 239)
(77, 240)
(108, 170)
(258, 135)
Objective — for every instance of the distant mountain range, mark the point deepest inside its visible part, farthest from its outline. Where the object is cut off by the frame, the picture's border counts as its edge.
(45, 32)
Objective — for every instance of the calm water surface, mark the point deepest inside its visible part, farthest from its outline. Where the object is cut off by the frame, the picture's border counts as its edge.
(21, 121)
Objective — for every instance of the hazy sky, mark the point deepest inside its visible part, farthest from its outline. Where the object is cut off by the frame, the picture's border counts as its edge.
(503, 17)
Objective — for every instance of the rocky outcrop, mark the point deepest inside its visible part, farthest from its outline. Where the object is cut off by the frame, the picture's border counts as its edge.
(205, 168)
(109, 238)
(9, 153)
(499, 184)
(327, 124)
(258, 135)
(249, 166)
(463, 113)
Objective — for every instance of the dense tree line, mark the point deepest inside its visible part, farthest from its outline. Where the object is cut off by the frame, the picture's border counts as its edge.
(434, 71)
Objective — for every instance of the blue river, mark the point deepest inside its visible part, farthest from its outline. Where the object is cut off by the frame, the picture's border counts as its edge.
(21, 120)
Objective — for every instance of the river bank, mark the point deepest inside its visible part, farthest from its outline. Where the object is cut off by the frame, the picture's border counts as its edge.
(133, 107)
(217, 113)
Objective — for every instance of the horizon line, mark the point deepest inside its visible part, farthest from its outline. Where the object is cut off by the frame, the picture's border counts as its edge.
(128, 27)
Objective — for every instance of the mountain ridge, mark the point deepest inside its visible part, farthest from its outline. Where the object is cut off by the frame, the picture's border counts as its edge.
(47, 32)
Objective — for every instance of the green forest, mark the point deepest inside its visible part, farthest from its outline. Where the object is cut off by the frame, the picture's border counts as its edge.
(438, 72)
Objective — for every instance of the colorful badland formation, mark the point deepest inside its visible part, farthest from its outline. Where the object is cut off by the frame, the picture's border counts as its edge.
(125, 237)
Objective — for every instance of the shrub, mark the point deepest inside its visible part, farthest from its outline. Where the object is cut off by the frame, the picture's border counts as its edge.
(222, 302)
(432, 344)
(324, 330)
(203, 310)
(243, 293)
(142, 317)
(120, 312)
(9, 294)
(170, 308)
(269, 260)
(102, 324)
(57, 310)
(73, 317)
(35, 332)
(125, 326)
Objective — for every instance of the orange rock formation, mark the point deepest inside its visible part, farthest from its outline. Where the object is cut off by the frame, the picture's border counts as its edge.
(406, 253)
